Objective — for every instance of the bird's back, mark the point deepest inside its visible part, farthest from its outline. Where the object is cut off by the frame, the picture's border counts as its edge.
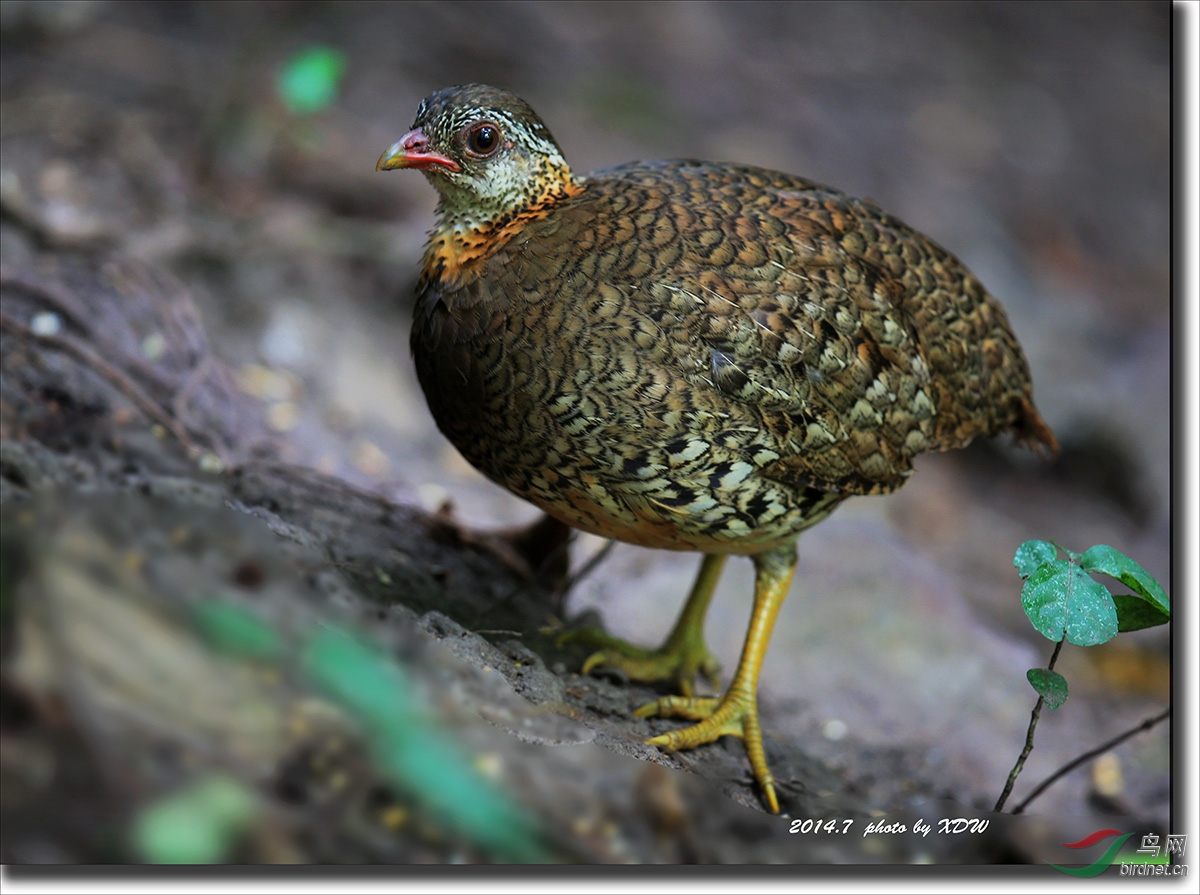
(718, 330)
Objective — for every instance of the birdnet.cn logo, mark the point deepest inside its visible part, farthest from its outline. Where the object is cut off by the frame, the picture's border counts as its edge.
(1152, 858)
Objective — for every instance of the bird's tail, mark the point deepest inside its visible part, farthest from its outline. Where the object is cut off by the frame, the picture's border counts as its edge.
(1030, 431)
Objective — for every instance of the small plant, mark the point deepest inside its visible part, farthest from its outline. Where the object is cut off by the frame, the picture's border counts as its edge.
(1067, 604)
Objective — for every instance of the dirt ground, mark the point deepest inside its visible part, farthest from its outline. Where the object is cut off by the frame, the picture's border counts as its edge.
(207, 400)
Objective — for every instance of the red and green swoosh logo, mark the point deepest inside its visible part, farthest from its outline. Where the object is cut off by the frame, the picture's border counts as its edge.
(1105, 860)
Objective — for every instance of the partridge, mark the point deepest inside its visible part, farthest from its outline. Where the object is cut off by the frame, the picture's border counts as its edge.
(690, 356)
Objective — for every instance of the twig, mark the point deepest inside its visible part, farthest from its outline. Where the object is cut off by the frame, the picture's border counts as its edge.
(116, 377)
(590, 565)
(1033, 720)
(48, 293)
(1087, 756)
(554, 554)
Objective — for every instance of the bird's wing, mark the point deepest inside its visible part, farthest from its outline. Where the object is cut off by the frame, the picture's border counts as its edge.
(768, 313)
(850, 342)
(859, 342)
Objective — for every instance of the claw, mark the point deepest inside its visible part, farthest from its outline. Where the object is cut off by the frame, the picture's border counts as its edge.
(675, 662)
(595, 660)
(682, 656)
(693, 708)
(735, 714)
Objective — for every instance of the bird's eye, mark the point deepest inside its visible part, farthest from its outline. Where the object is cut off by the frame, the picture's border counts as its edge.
(483, 139)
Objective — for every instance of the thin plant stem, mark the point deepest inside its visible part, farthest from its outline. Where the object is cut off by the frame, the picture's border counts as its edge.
(1087, 756)
(1033, 720)
(117, 378)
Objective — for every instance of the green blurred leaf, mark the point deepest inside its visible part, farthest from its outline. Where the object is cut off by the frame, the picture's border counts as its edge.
(1060, 598)
(232, 629)
(1134, 613)
(411, 747)
(1032, 554)
(309, 81)
(1113, 562)
(197, 825)
(1051, 685)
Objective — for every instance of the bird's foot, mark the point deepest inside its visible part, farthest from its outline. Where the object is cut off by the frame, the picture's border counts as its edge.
(677, 661)
(734, 714)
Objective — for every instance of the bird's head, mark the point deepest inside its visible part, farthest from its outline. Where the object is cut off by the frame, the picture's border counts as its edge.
(485, 151)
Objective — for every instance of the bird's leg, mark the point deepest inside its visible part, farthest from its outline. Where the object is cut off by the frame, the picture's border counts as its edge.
(736, 713)
(683, 654)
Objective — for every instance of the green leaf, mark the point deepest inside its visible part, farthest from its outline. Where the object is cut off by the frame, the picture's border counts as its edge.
(416, 752)
(197, 825)
(1032, 554)
(1051, 685)
(1134, 613)
(1111, 561)
(309, 81)
(233, 630)
(1060, 598)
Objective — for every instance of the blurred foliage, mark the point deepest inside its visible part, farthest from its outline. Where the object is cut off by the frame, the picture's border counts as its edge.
(406, 740)
(421, 758)
(197, 825)
(231, 629)
(309, 80)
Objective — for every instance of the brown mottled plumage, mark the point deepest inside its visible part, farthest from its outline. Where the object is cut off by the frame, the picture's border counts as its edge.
(691, 356)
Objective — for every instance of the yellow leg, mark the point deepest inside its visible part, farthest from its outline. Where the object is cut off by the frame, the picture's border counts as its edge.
(736, 713)
(683, 654)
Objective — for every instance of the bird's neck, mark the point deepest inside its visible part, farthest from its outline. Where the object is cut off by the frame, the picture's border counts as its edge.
(468, 232)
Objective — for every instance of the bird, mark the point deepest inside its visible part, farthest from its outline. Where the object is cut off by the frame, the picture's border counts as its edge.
(690, 355)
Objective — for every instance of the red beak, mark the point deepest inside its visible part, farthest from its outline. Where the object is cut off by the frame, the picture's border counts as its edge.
(412, 151)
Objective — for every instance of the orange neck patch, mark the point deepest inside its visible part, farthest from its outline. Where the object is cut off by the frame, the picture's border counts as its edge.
(453, 251)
